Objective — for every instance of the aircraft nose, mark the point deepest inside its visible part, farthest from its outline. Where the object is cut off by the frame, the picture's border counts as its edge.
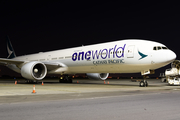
(171, 56)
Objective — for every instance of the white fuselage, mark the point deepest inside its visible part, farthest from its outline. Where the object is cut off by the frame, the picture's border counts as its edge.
(124, 56)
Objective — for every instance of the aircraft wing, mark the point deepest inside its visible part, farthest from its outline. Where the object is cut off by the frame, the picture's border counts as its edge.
(50, 65)
(4, 61)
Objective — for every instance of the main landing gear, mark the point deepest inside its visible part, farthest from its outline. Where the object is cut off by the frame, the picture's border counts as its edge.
(65, 79)
(31, 81)
(143, 83)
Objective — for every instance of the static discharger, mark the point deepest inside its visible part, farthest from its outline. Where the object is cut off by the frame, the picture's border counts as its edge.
(34, 91)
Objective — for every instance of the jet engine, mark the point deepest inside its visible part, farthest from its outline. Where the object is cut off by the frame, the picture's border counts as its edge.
(34, 70)
(97, 76)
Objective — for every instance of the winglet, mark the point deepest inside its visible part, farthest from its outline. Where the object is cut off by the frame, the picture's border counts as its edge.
(11, 53)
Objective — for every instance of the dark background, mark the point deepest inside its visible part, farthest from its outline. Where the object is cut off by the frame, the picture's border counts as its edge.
(44, 26)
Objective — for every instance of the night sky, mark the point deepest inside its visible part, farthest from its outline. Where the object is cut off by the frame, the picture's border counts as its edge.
(44, 26)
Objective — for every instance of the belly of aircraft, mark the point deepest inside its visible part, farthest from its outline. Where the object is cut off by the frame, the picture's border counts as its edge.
(109, 69)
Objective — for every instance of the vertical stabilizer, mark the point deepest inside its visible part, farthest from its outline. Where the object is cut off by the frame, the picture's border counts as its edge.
(10, 50)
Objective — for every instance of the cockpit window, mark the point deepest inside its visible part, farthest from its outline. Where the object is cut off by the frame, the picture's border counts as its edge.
(160, 48)
(154, 48)
(164, 48)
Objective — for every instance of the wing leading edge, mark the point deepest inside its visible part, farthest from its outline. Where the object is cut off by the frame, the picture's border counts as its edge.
(5, 61)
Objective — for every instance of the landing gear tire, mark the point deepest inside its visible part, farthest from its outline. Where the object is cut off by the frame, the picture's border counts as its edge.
(143, 83)
(31, 81)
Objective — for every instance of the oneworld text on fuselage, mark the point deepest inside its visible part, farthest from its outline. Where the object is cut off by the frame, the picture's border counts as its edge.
(97, 54)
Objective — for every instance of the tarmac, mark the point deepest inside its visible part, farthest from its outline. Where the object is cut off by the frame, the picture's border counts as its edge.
(80, 88)
(9, 88)
(89, 99)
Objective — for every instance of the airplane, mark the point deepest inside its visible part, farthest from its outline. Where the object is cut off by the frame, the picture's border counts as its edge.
(97, 61)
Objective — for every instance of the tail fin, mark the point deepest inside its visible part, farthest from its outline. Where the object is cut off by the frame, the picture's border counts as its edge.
(11, 53)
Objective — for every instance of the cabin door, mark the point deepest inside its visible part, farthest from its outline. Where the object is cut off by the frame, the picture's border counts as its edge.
(130, 51)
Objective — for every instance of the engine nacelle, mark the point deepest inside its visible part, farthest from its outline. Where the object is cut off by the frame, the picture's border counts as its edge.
(97, 76)
(34, 70)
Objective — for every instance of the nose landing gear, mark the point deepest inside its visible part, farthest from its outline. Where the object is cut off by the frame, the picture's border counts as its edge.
(144, 82)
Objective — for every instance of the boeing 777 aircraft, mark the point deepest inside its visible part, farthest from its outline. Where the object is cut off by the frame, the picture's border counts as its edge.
(97, 61)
